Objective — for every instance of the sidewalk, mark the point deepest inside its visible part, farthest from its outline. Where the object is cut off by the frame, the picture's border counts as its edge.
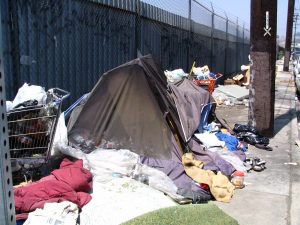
(273, 195)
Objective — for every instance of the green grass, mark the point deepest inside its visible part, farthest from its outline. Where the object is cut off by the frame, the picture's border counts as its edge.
(203, 214)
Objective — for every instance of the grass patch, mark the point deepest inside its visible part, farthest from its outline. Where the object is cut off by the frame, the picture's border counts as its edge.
(202, 214)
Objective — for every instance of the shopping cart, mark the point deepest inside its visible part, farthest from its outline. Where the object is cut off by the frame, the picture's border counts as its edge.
(32, 129)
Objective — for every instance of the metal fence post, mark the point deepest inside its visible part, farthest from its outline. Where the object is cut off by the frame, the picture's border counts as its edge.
(245, 57)
(138, 29)
(14, 42)
(7, 209)
(189, 42)
(212, 37)
(237, 45)
(226, 46)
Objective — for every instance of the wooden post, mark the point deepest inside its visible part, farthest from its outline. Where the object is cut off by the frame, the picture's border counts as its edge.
(263, 56)
(289, 33)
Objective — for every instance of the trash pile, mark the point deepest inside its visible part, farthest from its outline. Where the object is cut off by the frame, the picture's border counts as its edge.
(241, 79)
(234, 91)
(230, 95)
(141, 140)
(201, 76)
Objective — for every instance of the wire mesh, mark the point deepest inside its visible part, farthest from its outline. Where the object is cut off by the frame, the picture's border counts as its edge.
(220, 23)
(30, 131)
(201, 14)
(70, 43)
(177, 7)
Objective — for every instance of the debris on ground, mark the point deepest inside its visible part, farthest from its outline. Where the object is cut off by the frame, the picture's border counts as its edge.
(152, 141)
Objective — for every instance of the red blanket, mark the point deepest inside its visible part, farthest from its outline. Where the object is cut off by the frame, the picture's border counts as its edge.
(69, 182)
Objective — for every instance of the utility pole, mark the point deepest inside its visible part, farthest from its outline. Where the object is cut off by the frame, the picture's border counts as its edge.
(288, 36)
(295, 28)
(263, 55)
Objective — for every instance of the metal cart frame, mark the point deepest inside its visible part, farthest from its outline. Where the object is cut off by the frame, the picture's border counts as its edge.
(32, 130)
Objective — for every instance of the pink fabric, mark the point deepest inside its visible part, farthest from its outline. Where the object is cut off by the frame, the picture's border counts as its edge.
(67, 183)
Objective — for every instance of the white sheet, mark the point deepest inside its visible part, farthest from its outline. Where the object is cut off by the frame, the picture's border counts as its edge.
(63, 213)
(117, 198)
(120, 200)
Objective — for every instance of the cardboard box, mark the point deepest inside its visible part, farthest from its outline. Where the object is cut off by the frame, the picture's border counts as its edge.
(229, 82)
(239, 79)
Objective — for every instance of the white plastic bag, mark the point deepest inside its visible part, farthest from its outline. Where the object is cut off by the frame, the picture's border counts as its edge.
(219, 97)
(107, 162)
(201, 70)
(61, 136)
(9, 106)
(175, 75)
(30, 92)
(159, 180)
(75, 153)
(245, 67)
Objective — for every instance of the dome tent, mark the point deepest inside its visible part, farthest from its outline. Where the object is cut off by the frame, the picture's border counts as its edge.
(133, 107)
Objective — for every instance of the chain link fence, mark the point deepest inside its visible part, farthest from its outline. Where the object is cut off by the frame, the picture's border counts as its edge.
(70, 43)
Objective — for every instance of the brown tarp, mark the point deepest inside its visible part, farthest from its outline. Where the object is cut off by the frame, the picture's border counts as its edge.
(131, 108)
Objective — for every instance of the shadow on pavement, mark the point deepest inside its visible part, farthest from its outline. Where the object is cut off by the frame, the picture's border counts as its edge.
(282, 120)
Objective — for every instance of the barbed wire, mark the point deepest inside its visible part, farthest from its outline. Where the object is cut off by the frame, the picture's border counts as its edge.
(180, 7)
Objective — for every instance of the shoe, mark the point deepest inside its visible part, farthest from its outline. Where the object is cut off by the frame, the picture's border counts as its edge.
(255, 164)
(258, 164)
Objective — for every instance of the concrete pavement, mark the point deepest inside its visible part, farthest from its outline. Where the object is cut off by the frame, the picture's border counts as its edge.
(273, 195)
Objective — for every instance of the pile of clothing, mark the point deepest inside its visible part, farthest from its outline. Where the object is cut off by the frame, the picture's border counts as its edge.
(71, 182)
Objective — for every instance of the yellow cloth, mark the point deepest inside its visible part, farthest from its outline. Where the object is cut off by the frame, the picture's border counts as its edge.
(220, 186)
(193, 169)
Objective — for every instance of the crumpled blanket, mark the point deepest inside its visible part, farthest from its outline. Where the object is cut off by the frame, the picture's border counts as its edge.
(220, 186)
(69, 182)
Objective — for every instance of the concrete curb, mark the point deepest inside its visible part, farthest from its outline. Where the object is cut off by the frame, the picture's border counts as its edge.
(294, 209)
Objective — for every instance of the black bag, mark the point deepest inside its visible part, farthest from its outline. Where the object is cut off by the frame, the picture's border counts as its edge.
(244, 128)
(253, 139)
